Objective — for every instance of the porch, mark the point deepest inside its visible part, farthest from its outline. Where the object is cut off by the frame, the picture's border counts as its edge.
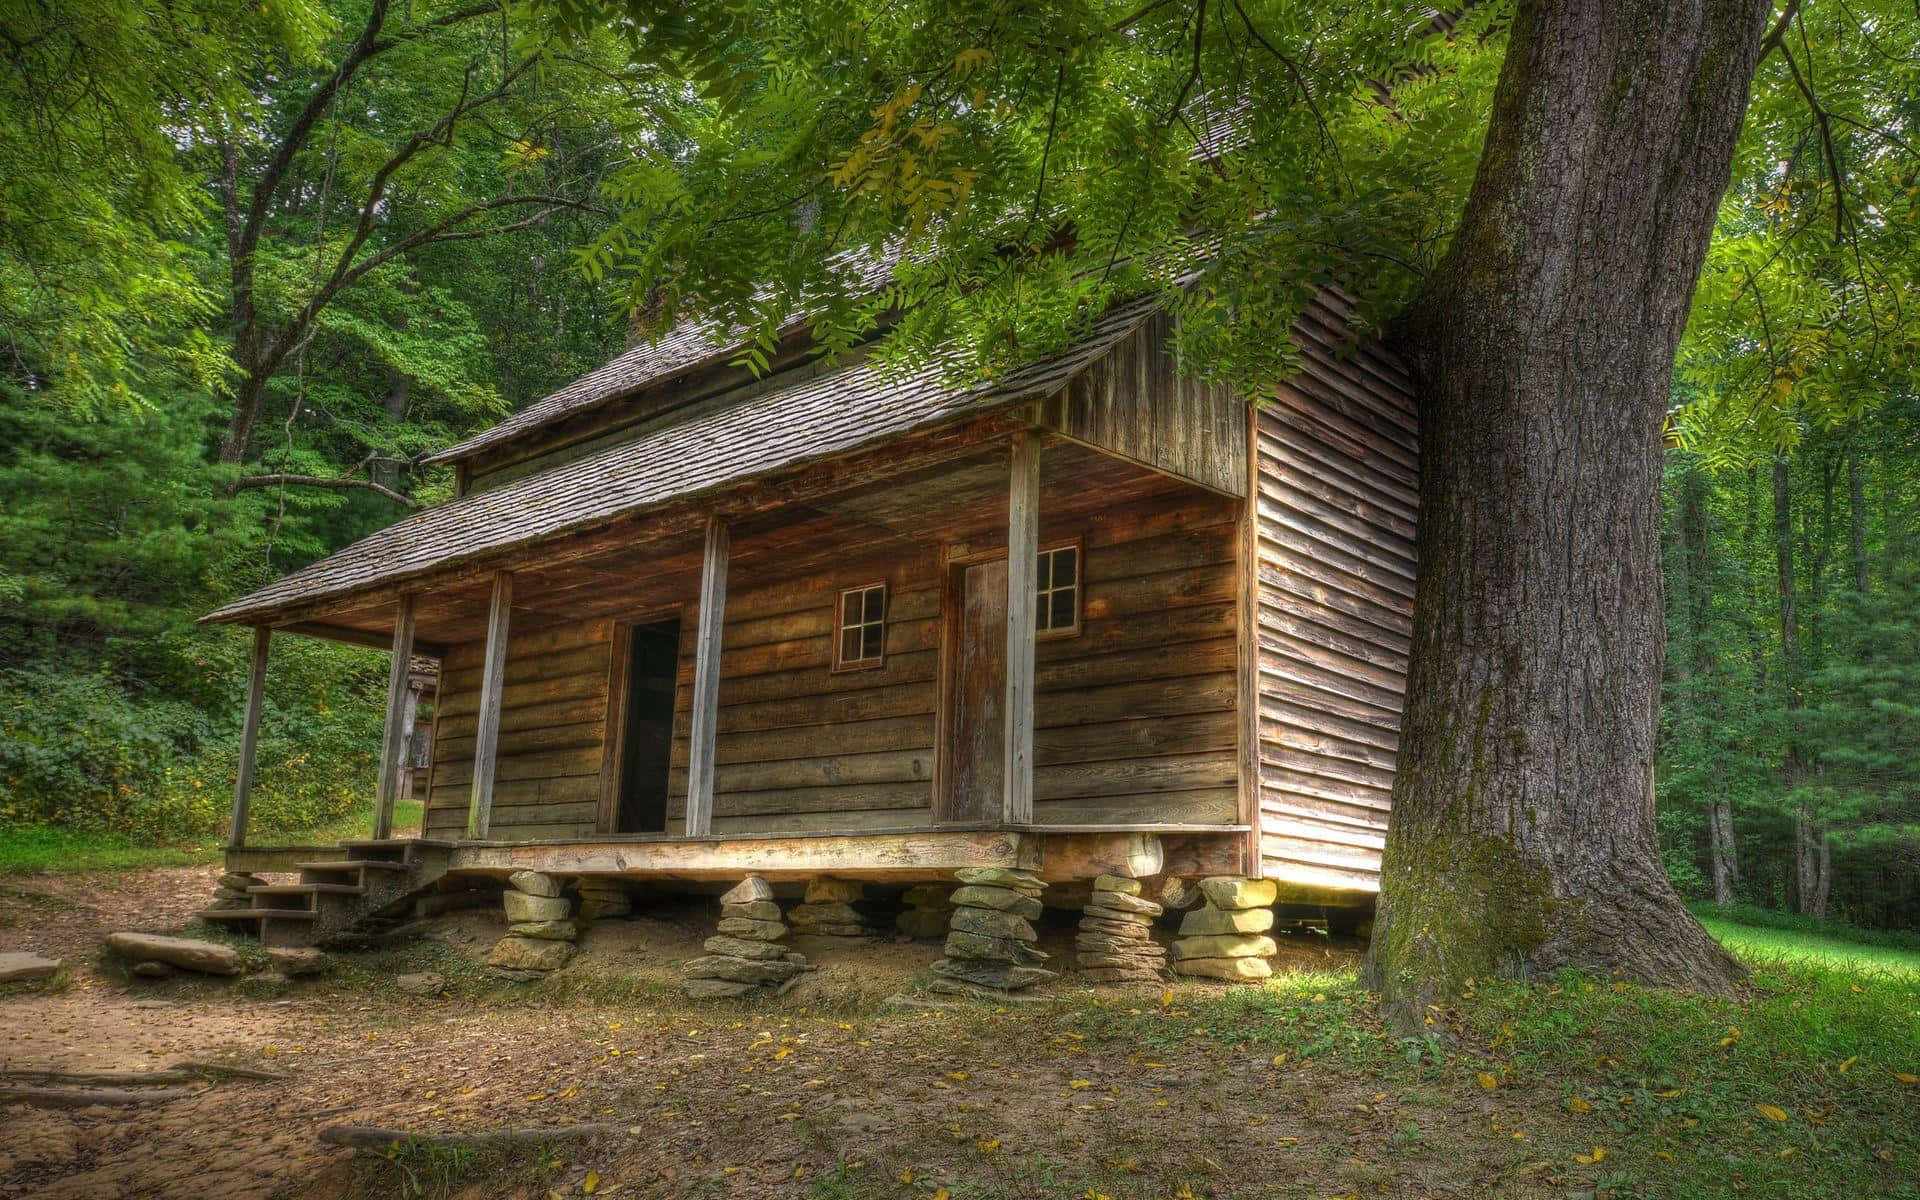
(682, 697)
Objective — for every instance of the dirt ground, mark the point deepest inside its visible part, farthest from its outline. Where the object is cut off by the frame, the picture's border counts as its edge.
(826, 1092)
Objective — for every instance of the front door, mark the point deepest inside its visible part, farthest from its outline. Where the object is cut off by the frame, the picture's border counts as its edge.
(653, 666)
(977, 696)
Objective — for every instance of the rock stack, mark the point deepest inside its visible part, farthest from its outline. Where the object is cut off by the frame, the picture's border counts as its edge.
(990, 937)
(743, 955)
(1226, 937)
(540, 925)
(231, 891)
(929, 909)
(602, 898)
(831, 908)
(1115, 941)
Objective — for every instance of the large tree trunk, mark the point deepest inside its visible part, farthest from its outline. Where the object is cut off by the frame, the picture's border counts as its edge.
(1522, 836)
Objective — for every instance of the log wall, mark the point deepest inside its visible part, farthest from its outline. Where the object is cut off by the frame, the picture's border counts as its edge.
(1336, 488)
(1134, 715)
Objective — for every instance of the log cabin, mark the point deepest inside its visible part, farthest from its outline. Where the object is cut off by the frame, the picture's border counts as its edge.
(695, 623)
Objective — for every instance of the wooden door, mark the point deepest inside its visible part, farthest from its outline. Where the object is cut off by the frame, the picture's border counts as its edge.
(977, 697)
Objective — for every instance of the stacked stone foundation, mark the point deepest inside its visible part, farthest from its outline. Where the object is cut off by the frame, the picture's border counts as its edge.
(540, 926)
(744, 956)
(990, 936)
(1227, 938)
(1115, 941)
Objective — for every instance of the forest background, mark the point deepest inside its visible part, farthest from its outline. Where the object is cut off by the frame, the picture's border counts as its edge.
(255, 260)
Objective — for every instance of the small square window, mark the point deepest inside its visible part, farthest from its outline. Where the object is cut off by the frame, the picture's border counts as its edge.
(863, 627)
(1059, 586)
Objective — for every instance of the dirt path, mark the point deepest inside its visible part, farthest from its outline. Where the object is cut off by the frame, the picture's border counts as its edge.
(823, 1093)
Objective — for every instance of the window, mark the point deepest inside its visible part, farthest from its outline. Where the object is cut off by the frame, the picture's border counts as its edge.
(863, 627)
(1059, 585)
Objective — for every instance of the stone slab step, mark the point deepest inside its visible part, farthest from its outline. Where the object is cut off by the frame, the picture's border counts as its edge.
(254, 914)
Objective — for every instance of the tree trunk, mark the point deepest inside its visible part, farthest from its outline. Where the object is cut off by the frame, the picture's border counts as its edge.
(1522, 836)
(1726, 856)
(1857, 518)
(1822, 875)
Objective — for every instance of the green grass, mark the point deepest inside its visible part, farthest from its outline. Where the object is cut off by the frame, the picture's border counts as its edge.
(1768, 947)
(42, 848)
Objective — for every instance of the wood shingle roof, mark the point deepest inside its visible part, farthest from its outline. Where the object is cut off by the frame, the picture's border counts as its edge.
(819, 416)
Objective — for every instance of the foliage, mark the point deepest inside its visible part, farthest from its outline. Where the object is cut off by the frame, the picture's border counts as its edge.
(1751, 917)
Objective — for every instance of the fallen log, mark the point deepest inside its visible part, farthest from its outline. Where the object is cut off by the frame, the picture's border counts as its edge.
(184, 1072)
(75, 1097)
(372, 1137)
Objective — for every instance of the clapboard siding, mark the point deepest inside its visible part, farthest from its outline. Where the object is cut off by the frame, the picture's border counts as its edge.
(1335, 497)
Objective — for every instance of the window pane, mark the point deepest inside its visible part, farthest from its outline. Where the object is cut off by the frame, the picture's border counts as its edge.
(876, 603)
(871, 643)
(1062, 615)
(850, 644)
(850, 609)
(1066, 566)
(1045, 576)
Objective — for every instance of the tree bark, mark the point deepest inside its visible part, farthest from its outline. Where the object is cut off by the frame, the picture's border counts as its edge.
(1522, 836)
(1857, 520)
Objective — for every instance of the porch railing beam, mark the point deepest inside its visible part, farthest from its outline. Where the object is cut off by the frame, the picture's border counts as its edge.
(706, 679)
(249, 736)
(394, 735)
(1023, 553)
(486, 734)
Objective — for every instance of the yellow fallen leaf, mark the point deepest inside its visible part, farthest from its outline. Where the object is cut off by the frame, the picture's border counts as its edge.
(1586, 1160)
(906, 1174)
(1848, 1063)
(1487, 1081)
(938, 1194)
(1663, 1154)
(1166, 997)
(1770, 1112)
(1578, 1105)
(988, 1146)
(1079, 1083)
(783, 1051)
(590, 1184)
(1280, 1060)
(1906, 1077)
(956, 1075)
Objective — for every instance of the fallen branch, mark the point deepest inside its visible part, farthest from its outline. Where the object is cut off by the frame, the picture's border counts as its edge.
(74, 1097)
(180, 1072)
(371, 1137)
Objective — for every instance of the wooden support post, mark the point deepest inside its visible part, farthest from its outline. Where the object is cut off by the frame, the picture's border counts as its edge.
(249, 736)
(1023, 555)
(486, 734)
(393, 736)
(706, 680)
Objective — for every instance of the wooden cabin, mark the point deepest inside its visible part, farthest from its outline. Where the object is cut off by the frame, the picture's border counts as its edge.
(1094, 615)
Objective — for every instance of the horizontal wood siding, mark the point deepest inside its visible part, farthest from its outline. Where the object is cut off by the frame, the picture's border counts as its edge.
(801, 746)
(1335, 494)
(553, 712)
(1137, 403)
(1134, 716)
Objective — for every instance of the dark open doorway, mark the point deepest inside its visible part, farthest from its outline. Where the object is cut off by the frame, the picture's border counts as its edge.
(653, 666)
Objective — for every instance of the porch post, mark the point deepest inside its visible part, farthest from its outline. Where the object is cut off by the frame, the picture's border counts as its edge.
(486, 732)
(249, 736)
(393, 736)
(1023, 553)
(706, 679)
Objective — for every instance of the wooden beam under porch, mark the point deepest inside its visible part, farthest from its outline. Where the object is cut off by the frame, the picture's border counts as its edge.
(914, 856)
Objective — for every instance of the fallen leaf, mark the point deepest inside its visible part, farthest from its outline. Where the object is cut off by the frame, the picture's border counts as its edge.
(1586, 1160)
(1848, 1063)
(1487, 1081)
(1578, 1105)
(590, 1184)
(1770, 1112)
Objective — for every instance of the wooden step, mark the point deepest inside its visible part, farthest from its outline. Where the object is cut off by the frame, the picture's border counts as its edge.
(351, 864)
(306, 889)
(254, 914)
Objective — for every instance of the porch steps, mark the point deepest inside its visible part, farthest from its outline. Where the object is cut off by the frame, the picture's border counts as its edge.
(334, 899)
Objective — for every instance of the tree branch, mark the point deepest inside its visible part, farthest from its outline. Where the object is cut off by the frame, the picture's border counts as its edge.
(331, 482)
